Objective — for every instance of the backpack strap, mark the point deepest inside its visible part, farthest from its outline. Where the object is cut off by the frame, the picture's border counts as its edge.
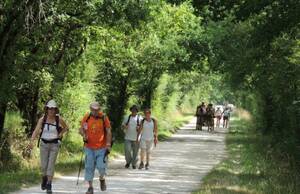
(138, 120)
(128, 119)
(145, 119)
(88, 118)
(42, 129)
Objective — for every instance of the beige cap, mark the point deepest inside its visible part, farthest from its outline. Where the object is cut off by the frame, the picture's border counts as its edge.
(51, 104)
(95, 105)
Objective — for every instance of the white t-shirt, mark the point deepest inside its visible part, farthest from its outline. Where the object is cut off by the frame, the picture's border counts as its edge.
(49, 132)
(147, 130)
(131, 132)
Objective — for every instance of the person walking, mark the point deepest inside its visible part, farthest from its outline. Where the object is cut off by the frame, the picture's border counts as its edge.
(147, 135)
(218, 115)
(200, 114)
(49, 130)
(226, 117)
(210, 115)
(96, 132)
(130, 125)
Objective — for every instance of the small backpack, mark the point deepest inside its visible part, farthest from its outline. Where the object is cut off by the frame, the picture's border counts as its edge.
(58, 128)
(138, 120)
(142, 124)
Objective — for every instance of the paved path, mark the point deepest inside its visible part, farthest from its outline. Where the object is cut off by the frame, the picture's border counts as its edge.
(177, 167)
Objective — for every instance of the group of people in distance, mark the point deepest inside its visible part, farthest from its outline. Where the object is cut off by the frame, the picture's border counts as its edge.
(95, 129)
(206, 115)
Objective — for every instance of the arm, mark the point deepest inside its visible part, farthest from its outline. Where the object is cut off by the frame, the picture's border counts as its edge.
(82, 130)
(140, 128)
(155, 132)
(108, 137)
(108, 133)
(64, 126)
(124, 126)
(37, 131)
(197, 112)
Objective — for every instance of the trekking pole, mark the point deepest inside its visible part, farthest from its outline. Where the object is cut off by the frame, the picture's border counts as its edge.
(80, 165)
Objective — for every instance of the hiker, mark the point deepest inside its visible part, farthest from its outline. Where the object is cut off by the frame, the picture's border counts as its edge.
(147, 135)
(218, 115)
(200, 113)
(130, 126)
(226, 117)
(210, 115)
(50, 129)
(96, 132)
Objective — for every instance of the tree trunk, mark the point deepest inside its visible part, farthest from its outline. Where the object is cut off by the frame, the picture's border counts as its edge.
(33, 112)
(3, 107)
(116, 107)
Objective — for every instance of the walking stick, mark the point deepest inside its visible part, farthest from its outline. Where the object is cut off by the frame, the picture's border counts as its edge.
(80, 165)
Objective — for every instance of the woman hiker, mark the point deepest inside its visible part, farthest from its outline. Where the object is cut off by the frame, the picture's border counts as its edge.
(147, 135)
(49, 130)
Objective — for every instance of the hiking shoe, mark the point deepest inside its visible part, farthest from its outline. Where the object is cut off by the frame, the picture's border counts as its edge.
(133, 166)
(147, 166)
(102, 185)
(127, 165)
(44, 182)
(141, 165)
(49, 188)
(90, 190)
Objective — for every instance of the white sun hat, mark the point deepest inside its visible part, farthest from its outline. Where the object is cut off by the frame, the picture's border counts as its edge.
(95, 105)
(51, 104)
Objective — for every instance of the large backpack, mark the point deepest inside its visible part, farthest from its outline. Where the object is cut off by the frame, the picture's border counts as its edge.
(58, 128)
(138, 120)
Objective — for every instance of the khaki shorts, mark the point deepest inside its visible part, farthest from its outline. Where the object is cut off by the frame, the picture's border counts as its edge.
(146, 145)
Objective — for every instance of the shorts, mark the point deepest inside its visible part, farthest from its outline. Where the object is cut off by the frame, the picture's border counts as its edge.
(218, 117)
(225, 118)
(146, 145)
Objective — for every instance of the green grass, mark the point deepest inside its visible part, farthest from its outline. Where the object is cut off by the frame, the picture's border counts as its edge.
(252, 166)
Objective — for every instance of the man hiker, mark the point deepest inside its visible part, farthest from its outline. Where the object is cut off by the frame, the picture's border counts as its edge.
(146, 136)
(50, 130)
(200, 113)
(226, 117)
(210, 115)
(130, 126)
(96, 132)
